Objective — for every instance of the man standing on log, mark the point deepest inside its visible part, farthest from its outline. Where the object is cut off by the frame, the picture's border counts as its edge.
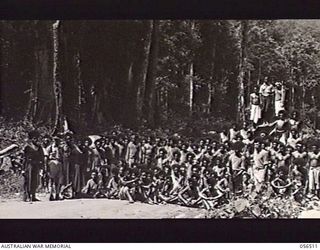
(279, 95)
(265, 91)
(255, 109)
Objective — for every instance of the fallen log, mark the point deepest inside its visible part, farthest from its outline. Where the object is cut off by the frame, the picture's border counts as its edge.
(8, 150)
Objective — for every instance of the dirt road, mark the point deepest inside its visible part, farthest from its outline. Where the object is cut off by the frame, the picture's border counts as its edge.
(93, 209)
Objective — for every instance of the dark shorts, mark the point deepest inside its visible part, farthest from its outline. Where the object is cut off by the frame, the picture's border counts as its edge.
(55, 171)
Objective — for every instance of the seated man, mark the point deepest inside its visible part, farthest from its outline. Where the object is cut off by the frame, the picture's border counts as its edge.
(144, 188)
(113, 185)
(247, 184)
(210, 194)
(129, 184)
(223, 188)
(297, 190)
(281, 183)
(164, 188)
(90, 190)
(189, 195)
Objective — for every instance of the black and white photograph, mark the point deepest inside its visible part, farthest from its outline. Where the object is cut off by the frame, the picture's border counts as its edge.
(160, 119)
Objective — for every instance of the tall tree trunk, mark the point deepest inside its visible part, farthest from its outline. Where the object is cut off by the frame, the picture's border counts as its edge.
(292, 92)
(80, 88)
(259, 72)
(292, 97)
(36, 86)
(210, 94)
(144, 69)
(190, 89)
(130, 77)
(243, 37)
(303, 100)
(248, 88)
(83, 123)
(56, 77)
(211, 89)
(149, 100)
(137, 71)
(166, 104)
(132, 89)
(191, 76)
(45, 90)
(163, 103)
(30, 102)
(314, 103)
(94, 104)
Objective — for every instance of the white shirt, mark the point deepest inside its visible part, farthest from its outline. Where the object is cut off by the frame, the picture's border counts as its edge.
(266, 90)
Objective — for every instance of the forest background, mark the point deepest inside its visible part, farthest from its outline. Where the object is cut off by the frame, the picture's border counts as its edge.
(186, 75)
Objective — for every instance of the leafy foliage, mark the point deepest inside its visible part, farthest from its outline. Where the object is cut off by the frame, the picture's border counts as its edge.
(283, 50)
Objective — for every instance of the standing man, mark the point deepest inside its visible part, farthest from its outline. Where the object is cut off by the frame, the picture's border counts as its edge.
(279, 95)
(260, 164)
(255, 109)
(301, 156)
(280, 127)
(265, 91)
(77, 167)
(112, 151)
(34, 160)
(236, 164)
(132, 151)
(145, 152)
(66, 163)
(314, 170)
(55, 168)
(44, 180)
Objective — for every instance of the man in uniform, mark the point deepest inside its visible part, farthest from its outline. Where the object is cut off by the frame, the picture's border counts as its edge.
(34, 160)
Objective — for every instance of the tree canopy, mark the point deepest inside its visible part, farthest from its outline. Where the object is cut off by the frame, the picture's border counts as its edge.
(153, 72)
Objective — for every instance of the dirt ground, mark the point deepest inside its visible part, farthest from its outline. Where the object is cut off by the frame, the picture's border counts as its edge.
(14, 208)
(92, 209)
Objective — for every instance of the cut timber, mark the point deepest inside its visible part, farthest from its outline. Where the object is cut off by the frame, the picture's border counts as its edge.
(8, 150)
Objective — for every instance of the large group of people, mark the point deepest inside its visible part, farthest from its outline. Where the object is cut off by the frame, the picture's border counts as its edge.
(267, 154)
(203, 172)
